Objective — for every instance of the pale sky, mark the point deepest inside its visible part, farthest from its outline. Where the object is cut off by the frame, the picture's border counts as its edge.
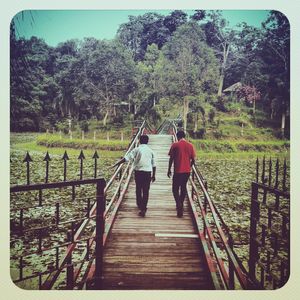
(55, 26)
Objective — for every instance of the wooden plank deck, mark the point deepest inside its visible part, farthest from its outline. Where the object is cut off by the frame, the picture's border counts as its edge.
(159, 251)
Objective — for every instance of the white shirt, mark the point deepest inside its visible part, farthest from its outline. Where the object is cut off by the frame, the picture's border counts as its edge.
(143, 158)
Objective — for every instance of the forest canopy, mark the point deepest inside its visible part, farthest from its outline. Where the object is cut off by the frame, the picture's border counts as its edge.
(195, 61)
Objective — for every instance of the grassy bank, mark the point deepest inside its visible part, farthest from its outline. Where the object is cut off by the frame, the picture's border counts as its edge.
(209, 146)
(52, 141)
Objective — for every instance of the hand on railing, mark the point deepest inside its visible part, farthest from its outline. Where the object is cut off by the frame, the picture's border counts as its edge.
(121, 161)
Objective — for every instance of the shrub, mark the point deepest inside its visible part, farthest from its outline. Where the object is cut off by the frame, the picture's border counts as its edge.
(84, 125)
(200, 134)
(26, 124)
(220, 104)
(118, 120)
(218, 134)
(211, 115)
(63, 126)
(180, 124)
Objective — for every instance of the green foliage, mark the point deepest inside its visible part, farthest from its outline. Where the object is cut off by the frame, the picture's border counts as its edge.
(147, 29)
(211, 115)
(220, 104)
(200, 134)
(84, 125)
(63, 126)
(153, 116)
(163, 66)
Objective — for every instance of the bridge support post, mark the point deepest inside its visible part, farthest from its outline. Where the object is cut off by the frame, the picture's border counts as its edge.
(99, 236)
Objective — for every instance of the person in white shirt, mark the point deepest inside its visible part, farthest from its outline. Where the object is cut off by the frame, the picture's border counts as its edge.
(144, 164)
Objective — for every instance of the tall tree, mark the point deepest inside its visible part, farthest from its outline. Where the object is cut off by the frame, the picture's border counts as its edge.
(221, 38)
(149, 77)
(276, 54)
(190, 64)
(141, 31)
(175, 20)
(106, 76)
(150, 28)
(30, 84)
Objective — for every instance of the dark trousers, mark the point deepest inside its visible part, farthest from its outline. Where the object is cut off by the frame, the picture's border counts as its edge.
(142, 181)
(179, 188)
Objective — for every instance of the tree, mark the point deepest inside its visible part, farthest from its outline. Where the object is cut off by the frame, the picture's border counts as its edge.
(220, 38)
(249, 94)
(142, 31)
(66, 75)
(150, 28)
(149, 76)
(197, 106)
(30, 84)
(276, 55)
(189, 65)
(106, 77)
(199, 15)
(246, 64)
(175, 20)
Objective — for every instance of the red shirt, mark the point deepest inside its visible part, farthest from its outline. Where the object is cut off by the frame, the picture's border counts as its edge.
(182, 153)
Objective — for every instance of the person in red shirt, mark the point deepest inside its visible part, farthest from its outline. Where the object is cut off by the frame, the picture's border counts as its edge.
(182, 154)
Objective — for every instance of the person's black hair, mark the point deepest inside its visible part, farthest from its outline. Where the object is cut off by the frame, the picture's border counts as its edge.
(180, 134)
(144, 139)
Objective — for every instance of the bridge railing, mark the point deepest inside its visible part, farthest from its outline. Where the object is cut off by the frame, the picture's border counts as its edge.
(59, 254)
(269, 249)
(86, 235)
(228, 273)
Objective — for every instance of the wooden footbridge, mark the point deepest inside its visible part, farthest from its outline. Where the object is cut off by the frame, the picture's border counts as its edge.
(160, 251)
(112, 247)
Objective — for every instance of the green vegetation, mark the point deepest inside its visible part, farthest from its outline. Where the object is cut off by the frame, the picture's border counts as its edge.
(20, 144)
(239, 146)
(55, 141)
(155, 64)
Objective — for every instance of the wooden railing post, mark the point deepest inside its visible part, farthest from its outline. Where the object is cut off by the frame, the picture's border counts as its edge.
(253, 251)
(205, 199)
(70, 274)
(99, 235)
(231, 266)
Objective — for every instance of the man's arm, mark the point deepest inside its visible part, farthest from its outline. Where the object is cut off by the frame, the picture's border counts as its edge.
(119, 162)
(127, 157)
(153, 174)
(193, 156)
(171, 159)
(192, 161)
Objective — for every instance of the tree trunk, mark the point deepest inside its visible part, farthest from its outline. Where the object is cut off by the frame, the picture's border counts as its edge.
(283, 123)
(105, 118)
(272, 113)
(221, 81)
(253, 107)
(226, 48)
(196, 123)
(185, 112)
